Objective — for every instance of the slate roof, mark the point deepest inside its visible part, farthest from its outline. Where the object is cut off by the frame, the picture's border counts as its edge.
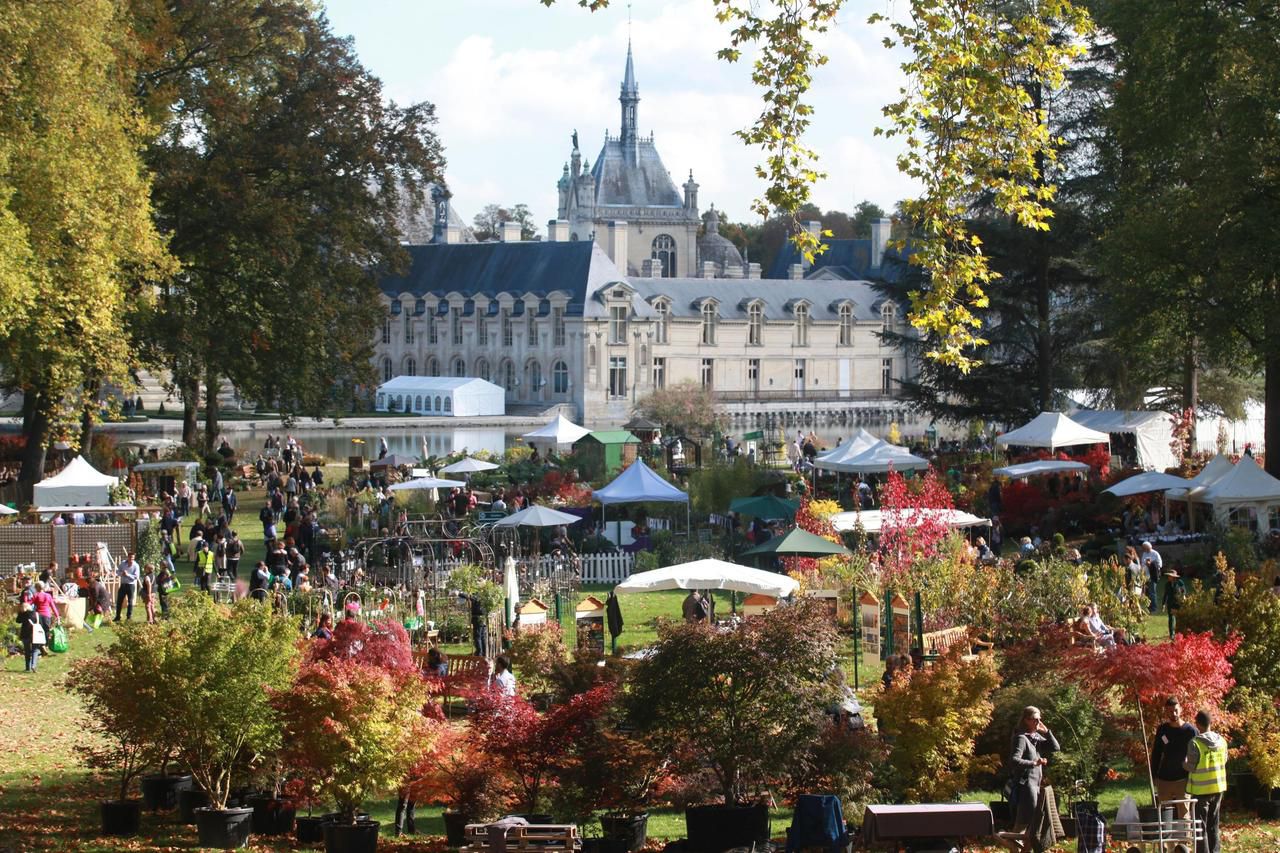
(779, 297)
(848, 258)
(579, 269)
(644, 183)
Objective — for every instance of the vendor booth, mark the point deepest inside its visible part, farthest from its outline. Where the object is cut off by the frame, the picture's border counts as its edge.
(1040, 468)
(560, 431)
(1151, 434)
(639, 484)
(78, 484)
(1052, 430)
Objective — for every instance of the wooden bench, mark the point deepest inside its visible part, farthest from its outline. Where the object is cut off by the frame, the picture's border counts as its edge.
(546, 838)
(467, 675)
(938, 643)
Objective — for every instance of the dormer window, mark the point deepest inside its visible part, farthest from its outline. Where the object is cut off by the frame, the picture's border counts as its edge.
(888, 316)
(755, 325)
(710, 317)
(663, 321)
(618, 324)
(802, 325)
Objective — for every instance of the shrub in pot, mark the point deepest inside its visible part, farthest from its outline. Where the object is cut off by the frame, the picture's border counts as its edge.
(120, 691)
(222, 662)
(1260, 724)
(527, 748)
(610, 771)
(454, 773)
(741, 704)
(356, 729)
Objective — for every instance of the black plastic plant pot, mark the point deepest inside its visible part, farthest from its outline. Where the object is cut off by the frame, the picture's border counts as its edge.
(455, 828)
(711, 829)
(271, 816)
(121, 817)
(189, 800)
(224, 829)
(160, 793)
(358, 837)
(633, 830)
(310, 829)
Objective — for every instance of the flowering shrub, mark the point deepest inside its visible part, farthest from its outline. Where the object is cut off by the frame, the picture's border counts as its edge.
(816, 521)
(934, 715)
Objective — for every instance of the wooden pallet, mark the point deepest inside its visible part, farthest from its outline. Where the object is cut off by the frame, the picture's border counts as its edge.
(548, 838)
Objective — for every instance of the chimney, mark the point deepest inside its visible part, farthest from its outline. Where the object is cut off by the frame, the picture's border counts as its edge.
(753, 270)
(510, 232)
(795, 272)
(558, 230)
(814, 228)
(880, 231)
(453, 234)
(734, 271)
(617, 245)
(649, 268)
(709, 269)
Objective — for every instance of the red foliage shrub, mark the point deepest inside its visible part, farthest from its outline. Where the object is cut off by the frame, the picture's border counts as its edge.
(384, 645)
(911, 529)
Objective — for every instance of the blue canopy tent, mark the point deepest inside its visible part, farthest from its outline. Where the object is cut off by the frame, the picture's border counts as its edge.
(639, 484)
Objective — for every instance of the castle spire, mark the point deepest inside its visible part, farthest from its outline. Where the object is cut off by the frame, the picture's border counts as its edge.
(630, 100)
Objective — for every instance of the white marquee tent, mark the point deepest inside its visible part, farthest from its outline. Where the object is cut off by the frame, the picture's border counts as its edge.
(872, 520)
(1152, 433)
(560, 431)
(78, 484)
(858, 443)
(880, 457)
(1245, 489)
(1147, 481)
(441, 396)
(1024, 470)
(1052, 430)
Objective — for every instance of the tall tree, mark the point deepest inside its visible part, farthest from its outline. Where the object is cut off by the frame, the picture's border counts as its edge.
(77, 244)
(1196, 226)
(279, 173)
(488, 222)
(864, 214)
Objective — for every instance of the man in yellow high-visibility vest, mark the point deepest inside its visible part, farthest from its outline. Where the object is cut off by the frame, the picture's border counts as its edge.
(1206, 761)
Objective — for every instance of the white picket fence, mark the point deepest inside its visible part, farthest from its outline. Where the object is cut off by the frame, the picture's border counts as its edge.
(595, 568)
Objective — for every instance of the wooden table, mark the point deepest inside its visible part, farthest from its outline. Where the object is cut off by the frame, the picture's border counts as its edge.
(894, 825)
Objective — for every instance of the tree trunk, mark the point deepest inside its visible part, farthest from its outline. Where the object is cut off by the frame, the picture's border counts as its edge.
(37, 434)
(211, 385)
(1271, 429)
(190, 391)
(1191, 387)
(1044, 327)
(87, 416)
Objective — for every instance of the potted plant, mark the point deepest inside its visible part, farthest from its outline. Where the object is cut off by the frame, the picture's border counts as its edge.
(354, 728)
(612, 771)
(455, 774)
(536, 652)
(221, 664)
(273, 814)
(1262, 744)
(743, 704)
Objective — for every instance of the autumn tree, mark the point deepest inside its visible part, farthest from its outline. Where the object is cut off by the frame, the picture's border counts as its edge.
(488, 222)
(684, 408)
(77, 244)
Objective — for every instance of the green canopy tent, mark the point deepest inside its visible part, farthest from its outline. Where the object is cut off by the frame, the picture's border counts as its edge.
(765, 506)
(798, 543)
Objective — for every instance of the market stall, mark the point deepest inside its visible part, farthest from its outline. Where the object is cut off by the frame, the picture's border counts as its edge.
(78, 484)
(1052, 430)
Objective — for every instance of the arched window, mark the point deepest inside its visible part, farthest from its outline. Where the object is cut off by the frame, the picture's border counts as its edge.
(664, 252)
(802, 326)
(386, 329)
(560, 378)
(509, 376)
(448, 404)
(433, 366)
(437, 404)
(410, 366)
(482, 369)
(846, 325)
(417, 403)
(459, 367)
(663, 307)
(535, 378)
(709, 323)
(755, 324)
(386, 370)
(888, 314)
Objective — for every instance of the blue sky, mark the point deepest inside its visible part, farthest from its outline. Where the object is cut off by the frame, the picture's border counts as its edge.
(512, 79)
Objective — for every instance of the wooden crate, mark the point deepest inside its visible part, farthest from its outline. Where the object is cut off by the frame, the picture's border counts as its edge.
(548, 838)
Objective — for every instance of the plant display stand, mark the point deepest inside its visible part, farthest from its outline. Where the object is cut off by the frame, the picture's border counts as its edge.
(547, 838)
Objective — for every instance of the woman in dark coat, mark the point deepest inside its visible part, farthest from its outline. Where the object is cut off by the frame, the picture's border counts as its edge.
(1031, 743)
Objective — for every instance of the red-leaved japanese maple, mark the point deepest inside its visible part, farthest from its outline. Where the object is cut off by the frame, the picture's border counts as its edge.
(384, 645)
(913, 523)
(529, 747)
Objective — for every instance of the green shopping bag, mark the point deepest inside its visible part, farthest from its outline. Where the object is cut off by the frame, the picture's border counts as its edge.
(58, 639)
(94, 620)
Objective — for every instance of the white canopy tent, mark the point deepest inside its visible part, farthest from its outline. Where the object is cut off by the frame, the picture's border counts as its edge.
(1052, 430)
(560, 431)
(1218, 467)
(872, 520)
(880, 457)
(1148, 481)
(7, 510)
(639, 484)
(711, 574)
(78, 484)
(426, 483)
(1152, 433)
(1024, 470)
(1245, 491)
(858, 443)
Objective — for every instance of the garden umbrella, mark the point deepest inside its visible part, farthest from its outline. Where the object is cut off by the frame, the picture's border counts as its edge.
(1148, 481)
(538, 516)
(7, 510)
(468, 465)
(392, 461)
(711, 574)
(426, 483)
(799, 543)
(764, 506)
